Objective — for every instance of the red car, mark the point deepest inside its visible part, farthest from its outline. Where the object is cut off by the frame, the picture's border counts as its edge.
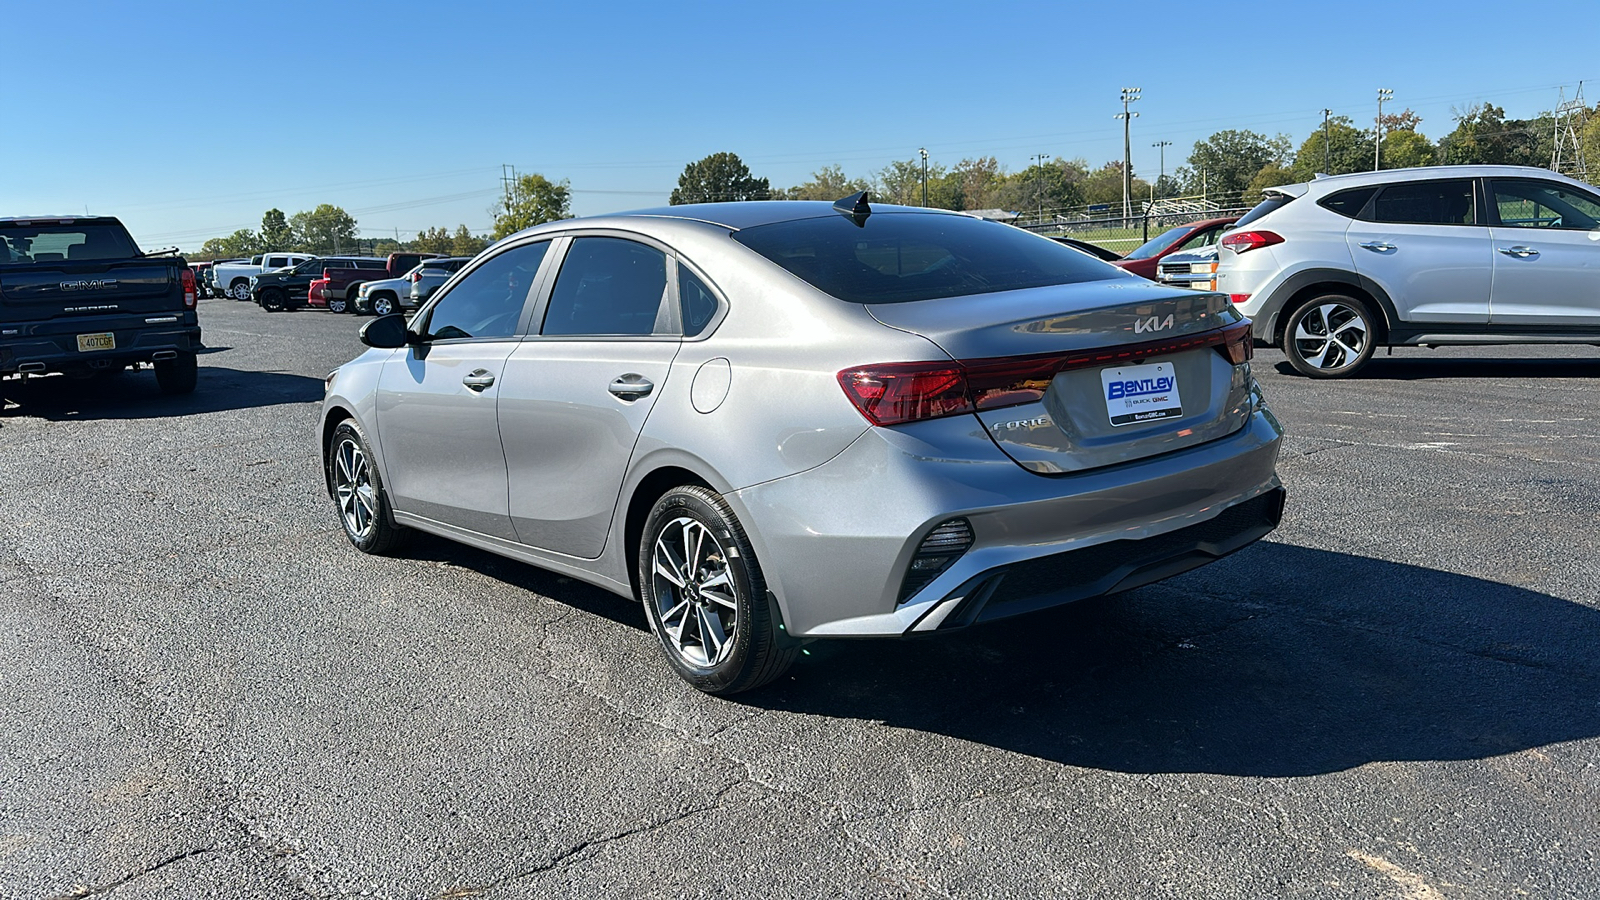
(1192, 236)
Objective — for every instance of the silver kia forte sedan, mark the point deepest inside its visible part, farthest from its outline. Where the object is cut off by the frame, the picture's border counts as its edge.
(779, 421)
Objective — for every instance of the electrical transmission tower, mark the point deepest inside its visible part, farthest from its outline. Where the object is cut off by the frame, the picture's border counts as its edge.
(1571, 117)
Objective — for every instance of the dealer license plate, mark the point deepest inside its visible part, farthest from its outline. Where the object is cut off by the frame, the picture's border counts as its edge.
(105, 340)
(1138, 394)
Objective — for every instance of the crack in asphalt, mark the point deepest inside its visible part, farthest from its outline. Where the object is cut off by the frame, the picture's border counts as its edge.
(80, 892)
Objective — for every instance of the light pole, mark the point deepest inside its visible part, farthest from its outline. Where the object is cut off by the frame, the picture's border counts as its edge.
(1162, 145)
(1327, 144)
(924, 152)
(1038, 183)
(1377, 129)
(1129, 95)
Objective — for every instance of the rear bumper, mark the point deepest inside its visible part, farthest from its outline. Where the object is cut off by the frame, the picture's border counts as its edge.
(836, 541)
(43, 349)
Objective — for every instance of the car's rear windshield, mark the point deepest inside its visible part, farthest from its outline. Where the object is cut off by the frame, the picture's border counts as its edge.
(1271, 202)
(902, 257)
(1159, 243)
(72, 242)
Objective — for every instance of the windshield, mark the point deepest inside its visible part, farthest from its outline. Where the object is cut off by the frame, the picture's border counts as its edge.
(1155, 245)
(23, 244)
(903, 257)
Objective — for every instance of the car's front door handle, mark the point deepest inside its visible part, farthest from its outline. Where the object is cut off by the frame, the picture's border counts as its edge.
(1520, 252)
(478, 380)
(1377, 246)
(631, 386)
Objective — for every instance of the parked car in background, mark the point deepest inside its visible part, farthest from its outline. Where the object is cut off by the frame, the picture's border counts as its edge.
(199, 269)
(234, 278)
(433, 274)
(289, 288)
(78, 297)
(1147, 258)
(940, 421)
(209, 277)
(1333, 268)
(345, 283)
(1094, 250)
(1195, 269)
(317, 292)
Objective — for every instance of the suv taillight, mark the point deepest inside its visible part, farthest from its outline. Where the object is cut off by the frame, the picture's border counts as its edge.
(416, 277)
(1241, 241)
(188, 288)
(897, 393)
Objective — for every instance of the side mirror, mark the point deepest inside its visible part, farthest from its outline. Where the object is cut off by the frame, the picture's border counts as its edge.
(386, 332)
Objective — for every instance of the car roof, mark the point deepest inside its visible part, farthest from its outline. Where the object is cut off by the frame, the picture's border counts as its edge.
(1418, 173)
(58, 220)
(752, 213)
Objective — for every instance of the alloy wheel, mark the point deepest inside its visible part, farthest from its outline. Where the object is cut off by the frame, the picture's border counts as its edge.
(1331, 335)
(382, 306)
(696, 598)
(352, 486)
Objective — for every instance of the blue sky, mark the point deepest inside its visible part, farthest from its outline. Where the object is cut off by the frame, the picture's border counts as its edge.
(188, 120)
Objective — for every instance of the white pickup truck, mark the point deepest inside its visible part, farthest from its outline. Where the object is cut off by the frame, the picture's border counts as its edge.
(233, 279)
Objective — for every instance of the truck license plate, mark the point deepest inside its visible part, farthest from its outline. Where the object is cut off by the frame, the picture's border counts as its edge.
(1138, 394)
(105, 340)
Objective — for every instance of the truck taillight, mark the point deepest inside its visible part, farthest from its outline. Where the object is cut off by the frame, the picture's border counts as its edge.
(188, 288)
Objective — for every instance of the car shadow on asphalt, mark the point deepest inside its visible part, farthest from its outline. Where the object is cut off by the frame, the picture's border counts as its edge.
(134, 395)
(1411, 368)
(1280, 661)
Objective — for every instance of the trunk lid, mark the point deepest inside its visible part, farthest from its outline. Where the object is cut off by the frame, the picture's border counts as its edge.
(1145, 377)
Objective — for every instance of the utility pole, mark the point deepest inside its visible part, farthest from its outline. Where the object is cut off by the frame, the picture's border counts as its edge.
(1038, 183)
(1377, 130)
(1162, 145)
(924, 152)
(1129, 95)
(508, 177)
(1327, 144)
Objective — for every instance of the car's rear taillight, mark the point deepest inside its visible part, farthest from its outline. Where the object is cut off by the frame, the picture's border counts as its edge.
(416, 277)
(1242, 241)
(897, 393)
(188, 288)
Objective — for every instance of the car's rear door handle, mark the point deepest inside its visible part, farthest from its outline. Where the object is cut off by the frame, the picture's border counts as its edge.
(478, 379)
(1377, 246)
(1520, 252)
(631, 386)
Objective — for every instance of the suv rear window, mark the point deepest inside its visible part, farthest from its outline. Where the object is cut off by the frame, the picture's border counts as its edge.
(904, 257)
(51, 243)
(1272, 202)
(1348, 203)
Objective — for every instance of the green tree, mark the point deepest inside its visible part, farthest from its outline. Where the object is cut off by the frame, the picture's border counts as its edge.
(827, 183)
(433, 240)
(533, 200)
(324, 231)
(1404, 149)
(1271, 175)
(1054, 186)
(465, 243)
(243, 242)
(900, 182)
(717, 178)
(980, 183)
(275, 231)
(1483, 135)
(1224, 163)
(1104, 185)
(1343, 149)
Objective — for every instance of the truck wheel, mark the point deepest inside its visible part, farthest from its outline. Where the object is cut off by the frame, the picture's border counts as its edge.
(272, 300)
(240, 289)
(382, 305)
(178, 376)
(337, 306)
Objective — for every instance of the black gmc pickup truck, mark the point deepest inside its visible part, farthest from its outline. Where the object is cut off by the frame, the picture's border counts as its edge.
(78, 297)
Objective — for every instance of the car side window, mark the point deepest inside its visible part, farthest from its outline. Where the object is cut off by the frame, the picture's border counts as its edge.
(488, 302)
(1425, 203)
(1204, 238)
(1348, 203)
(608, 286)
(699, 304)
(1537, 204)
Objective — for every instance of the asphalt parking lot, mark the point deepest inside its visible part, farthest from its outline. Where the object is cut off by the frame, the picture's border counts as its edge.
(208, 693)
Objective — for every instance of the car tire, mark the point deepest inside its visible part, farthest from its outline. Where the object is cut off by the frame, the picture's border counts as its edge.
(179, 375)
(337, 306)
(240, 290)
(1329, 336)
(696, 570)
(359, 495)
(382, 305)
(272, 300)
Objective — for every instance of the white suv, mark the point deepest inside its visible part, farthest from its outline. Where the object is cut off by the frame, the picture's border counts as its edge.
(1331, 269)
